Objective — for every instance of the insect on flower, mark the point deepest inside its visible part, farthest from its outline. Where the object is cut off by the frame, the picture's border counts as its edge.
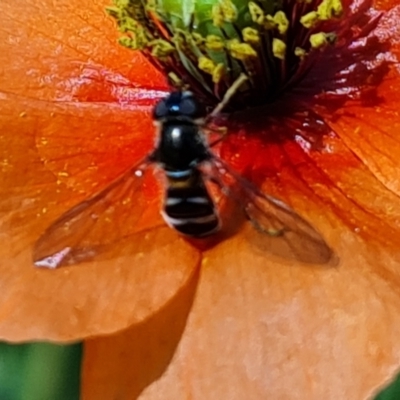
(185, 157)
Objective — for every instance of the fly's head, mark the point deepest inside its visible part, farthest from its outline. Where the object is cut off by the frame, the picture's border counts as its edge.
(179, 105)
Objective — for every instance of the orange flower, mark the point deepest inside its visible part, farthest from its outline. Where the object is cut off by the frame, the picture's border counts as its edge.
(246, 324)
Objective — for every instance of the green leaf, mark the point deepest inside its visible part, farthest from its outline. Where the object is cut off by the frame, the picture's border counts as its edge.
(391, 392)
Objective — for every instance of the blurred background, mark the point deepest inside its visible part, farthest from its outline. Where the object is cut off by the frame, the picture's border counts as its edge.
(45, 371)
(39, 371)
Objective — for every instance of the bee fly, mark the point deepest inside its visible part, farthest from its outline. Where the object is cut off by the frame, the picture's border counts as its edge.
(184, 155)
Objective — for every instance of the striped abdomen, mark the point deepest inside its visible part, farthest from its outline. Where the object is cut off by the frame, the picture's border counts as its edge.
(188, 207)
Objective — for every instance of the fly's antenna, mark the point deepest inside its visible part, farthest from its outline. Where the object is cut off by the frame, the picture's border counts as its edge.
(228, 95)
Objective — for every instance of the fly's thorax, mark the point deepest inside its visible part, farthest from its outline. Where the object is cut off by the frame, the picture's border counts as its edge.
(181, 145)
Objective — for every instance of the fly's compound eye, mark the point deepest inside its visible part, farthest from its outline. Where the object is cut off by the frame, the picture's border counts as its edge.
(160, 110)
(190, 107)
(179, 104)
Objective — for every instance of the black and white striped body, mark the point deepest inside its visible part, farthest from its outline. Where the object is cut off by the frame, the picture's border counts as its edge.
(188, 207)
(180, 151)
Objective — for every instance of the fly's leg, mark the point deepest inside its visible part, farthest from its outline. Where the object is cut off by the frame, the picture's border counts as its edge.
(222, 132)
(269, 232)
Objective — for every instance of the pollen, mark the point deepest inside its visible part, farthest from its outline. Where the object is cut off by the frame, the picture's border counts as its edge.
(207, 45)
(256, 12)
(251, 36)
(279, 48)
(217, 15)
(321, 39)
(279, 21)
(299, 52)
(329, 9)
(241, 51)
(218, 73)
(207, 65)
(310, 19)
(161, 48)
(223, 11)
(214, 42)
(229, 10)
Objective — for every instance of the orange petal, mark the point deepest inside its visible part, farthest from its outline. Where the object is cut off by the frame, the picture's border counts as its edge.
(330, 186)
(90, 299)
(261, 328)
(385, 4)
(369, 127)
(339, 154)
(65, 92)
(48, 50)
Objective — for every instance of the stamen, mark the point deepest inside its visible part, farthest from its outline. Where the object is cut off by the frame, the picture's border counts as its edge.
(278, 48)
(214, 42)
(321, 39)
(256, 12)
(279, 21)
(206, 46)
(251, 36)
(329, 9)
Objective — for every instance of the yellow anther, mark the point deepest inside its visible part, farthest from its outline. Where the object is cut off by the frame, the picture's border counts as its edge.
(207, 65)
(310, 19)
(241, 51)
(329, 9)
(321, 39)
(224, 11)
(161, 48)
(217, 15)
(229, 10)
(279, 21)
(299, 52)
(197, 38)
(278, 48)
(218, 73)
(256, 12)
(127, 42)
(214, 42)
(251, 35)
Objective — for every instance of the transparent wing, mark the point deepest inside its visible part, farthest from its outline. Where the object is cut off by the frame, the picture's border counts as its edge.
(278, 228)
(86, 230)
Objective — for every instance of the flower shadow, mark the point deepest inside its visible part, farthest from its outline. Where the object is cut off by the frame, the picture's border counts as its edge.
(152, 345)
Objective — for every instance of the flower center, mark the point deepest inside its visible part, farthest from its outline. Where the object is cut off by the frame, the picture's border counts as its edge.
(205, 45)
